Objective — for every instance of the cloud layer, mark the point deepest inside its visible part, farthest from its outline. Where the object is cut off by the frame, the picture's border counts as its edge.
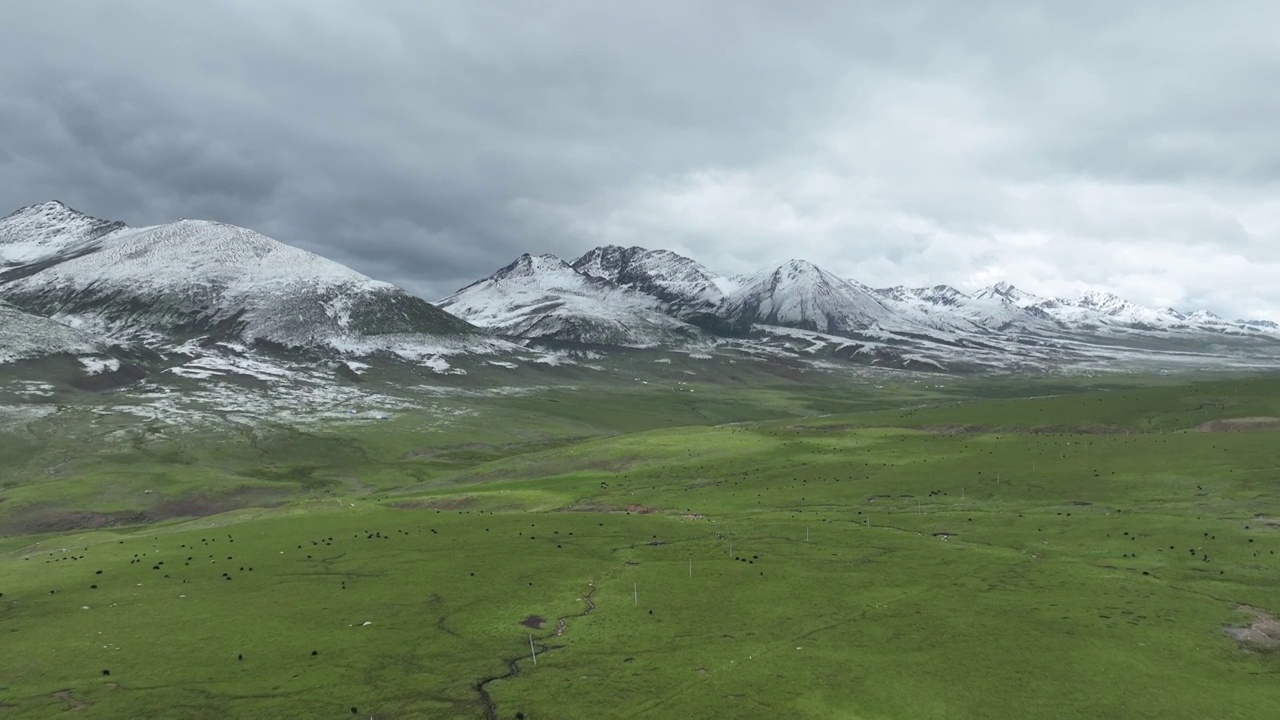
(1120, 146)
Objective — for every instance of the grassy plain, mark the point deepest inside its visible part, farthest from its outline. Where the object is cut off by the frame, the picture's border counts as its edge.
(900, 552)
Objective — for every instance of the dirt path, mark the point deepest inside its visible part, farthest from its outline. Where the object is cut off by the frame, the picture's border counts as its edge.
(513, 664)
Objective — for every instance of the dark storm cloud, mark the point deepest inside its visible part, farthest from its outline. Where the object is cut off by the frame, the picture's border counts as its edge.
(429, 143)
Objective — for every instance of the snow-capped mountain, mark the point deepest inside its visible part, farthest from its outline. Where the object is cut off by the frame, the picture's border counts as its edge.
(40, 232)
(545, 297)
(1102, 311)
(1098, 310)
(799, 294)
(943, 307)
(1260, 325)
(98, 290)
(938, 295)
(202, 279)
(690, 291)
(610, 290)
(549, 302)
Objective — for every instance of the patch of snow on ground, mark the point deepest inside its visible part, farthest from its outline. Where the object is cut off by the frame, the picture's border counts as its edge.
(356, 367)
(512, 391)
(554, 359)
(34, 389)
(301, 403)
(97, 366)
(416, 348)
(192, 373)
(212, 365)
(440, 366)
(11, 415)
(338, 309)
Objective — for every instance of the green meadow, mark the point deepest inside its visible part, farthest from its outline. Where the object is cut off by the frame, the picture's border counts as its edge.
(971, 548)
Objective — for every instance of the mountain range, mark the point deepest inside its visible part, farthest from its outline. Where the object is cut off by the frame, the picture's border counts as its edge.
(77, 285)
(520, 298)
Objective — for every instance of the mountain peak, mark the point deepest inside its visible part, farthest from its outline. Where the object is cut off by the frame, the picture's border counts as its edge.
(1098, 295)
(542, 296)
(528, 265)
(940, 294)
(801, 271)
(801, 267)
(1202, 316)
(40, 231)
(799, 294)
(626, 264)
(47, 206)
(51, 210)
(688, 288)
(1007, 292)
(1102, 300)
(611, 251)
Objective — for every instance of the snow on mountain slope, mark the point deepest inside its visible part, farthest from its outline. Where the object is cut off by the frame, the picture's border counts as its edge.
(688, 289)
(39, 232)
(1010, 294)
(1204, 316)
(1127, 313)
(1097, 310)
(1261, 325)
(1089, 312)
(1207, 322)
(194, 277)
(23, 335)
(195, 284)
(937, 296)
(545, 297)
(799, 294)
(943, 307)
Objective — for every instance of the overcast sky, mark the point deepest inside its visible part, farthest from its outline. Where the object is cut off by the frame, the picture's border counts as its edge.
(1063, 146)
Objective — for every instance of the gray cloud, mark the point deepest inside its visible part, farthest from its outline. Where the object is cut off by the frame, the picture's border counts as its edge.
(1125, 146)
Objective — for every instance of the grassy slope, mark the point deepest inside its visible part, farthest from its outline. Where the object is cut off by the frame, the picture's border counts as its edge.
(1065, 587)
(83, 460)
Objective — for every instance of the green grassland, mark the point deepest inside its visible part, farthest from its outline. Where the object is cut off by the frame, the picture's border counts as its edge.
(84, 462)
(970, 548)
